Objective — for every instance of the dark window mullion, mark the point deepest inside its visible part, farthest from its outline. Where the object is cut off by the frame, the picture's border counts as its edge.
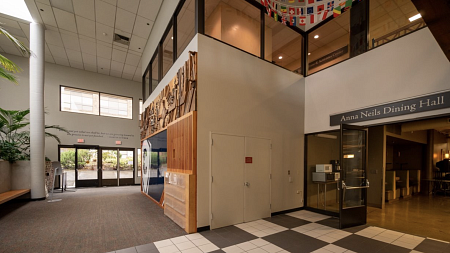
(160, 61)
(200, 16)
(175, 37)
(263, 33)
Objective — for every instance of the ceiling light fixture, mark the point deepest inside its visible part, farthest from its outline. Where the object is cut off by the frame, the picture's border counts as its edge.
(415, 17)
(316, 36)
(280, 57)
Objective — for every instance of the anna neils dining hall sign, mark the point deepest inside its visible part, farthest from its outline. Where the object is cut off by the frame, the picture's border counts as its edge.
(409, 106)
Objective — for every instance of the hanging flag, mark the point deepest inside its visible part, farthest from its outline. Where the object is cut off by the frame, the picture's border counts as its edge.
(312, 19)
(264, 2)
(337, 11)
(330, 5)
(292, 20)
(342, 4)
(291, 1)
(309, 10)
(325, 14)
(283, 19)
(301, 1)
(348, 5)
(269, 11)
(291, 11)
(283, 9)
(310, 1)
(320, 7)
(299, 11)
(302, 20)
(275, 16)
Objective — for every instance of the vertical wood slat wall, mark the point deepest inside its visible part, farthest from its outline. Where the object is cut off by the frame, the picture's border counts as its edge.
(182, 145)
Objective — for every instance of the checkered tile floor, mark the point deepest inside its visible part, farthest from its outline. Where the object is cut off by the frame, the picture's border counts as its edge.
(301, 231)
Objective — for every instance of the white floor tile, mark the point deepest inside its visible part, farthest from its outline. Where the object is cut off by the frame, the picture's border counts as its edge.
(259, 242)
(246, 246)
(327, 239)
(334, 248)
(201, 241)
(233, 249)
(193, 250)
(257, 250)
(194, 236)
(271, 248)
(260, 227)
(259, 234)
(169, 249)
(163, 243)
(185, 245)
(208, 247)
(179, 239)
(321, 250)
(405, 245)
(250, 229)
(415, 251)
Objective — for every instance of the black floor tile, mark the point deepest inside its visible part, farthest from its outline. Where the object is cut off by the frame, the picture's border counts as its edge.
(331, 222)
(295, 242)
(218, 251)
(394, 249)
(432, 246)
(228, 236)
(361, 244)
(287, 221)
(145, 247)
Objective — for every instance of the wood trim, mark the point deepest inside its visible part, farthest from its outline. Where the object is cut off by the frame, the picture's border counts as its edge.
(7, 196)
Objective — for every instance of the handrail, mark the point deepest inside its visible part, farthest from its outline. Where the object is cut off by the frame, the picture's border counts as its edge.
(398, 33)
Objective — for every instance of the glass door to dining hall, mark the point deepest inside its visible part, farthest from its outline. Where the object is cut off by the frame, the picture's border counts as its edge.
(94, 166)
(335, 174)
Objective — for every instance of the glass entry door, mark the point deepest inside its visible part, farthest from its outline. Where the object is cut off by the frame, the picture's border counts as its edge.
(87, 172)
(353, 182)
(117, 167)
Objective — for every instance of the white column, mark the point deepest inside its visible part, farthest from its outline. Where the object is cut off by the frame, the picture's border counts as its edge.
(37, 120)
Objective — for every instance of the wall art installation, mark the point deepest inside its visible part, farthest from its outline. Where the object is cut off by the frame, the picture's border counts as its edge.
(178, 98)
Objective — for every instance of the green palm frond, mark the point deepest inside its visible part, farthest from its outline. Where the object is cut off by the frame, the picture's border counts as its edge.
(9, 65)
(8, 76)
(47, 134)
(24, 50)
(57, 127)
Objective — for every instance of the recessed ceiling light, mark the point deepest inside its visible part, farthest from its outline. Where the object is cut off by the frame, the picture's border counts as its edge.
(309, 53)
(139, 48)
(280, 57)
(41, 9)
(415, 17)
(148, 23)
(316, 36)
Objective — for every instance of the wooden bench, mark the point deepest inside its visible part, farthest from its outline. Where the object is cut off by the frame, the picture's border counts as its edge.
(6, 196)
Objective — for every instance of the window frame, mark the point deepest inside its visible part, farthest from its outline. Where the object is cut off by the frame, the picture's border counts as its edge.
(99, 106)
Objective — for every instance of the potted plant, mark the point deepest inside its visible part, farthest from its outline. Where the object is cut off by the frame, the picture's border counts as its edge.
(15, 148)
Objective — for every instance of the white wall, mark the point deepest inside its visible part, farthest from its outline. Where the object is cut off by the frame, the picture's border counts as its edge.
(410, 66)
(165, 14)
(243, 95)
(16, 97)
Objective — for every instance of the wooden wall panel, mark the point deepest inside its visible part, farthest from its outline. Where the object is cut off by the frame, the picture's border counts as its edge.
(182, 144)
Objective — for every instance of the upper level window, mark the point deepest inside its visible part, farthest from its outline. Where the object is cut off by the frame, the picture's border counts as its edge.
(81, 101)
(116, 106)
(95, 103)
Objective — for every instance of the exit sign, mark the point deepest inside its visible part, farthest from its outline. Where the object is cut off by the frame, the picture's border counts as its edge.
(80, 140)
(118, 142)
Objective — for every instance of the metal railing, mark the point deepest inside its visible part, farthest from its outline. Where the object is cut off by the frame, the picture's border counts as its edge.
(398, 33)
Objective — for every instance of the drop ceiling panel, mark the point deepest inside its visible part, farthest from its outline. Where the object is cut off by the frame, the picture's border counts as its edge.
(132, 59)
(129, 5)
(25, 29)
(113, 2)
(15, 32)
(121, 32)
(105, 13)
(103, 63)
(23, 40)
(118, 55)
(142, 27)
(61, 61)
(137, 43)
(127, 76)
(115, 73)
(92, 68)
(74, 55)
(57, 51)
(104, 51)
(85, 8)
(128, 69)
(70, 41)
(85, 26)
(65, 20)
(75, 64)
(65, 5)
(88, 47)
(103, 71)
(89, 59)
(125, 20)
(104, 32)
(49, 58)
(149, 8)
(117, 66)
(9, 23)
(10, 49)
(47, 15)
(43, 1)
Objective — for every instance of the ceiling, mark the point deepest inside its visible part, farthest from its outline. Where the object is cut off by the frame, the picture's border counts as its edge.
(79, 33)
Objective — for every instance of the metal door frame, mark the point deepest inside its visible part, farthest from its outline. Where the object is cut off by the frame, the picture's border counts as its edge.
(358, 214)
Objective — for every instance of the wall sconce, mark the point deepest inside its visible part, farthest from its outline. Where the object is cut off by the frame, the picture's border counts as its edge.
(349, 156)
(447, 156)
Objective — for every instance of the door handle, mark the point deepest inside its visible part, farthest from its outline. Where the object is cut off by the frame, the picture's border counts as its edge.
(247, 184)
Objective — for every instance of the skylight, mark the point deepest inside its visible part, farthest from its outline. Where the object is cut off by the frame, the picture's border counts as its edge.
(15, 8)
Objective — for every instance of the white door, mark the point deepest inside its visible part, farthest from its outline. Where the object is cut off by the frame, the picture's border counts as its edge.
(227, 182)
(257, 179)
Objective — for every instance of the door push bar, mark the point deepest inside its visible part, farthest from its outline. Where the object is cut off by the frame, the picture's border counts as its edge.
(363, 186)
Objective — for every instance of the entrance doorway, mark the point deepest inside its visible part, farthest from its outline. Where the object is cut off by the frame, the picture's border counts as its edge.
(93, 166)
(240, 179)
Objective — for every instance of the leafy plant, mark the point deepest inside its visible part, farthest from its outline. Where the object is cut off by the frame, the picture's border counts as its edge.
(15, 136)
(8, 67)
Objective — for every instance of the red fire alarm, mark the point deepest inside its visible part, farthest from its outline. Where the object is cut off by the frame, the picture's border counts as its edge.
(118, 142)
(80, 140)
(248, 159)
